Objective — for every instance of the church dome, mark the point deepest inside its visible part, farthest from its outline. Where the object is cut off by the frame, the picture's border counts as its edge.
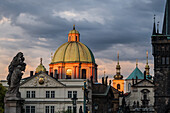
(40, 68)
(71, 52)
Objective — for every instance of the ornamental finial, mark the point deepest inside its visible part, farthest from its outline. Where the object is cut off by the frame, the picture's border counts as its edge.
(147, 57)
(118, 57)
(136, 62)
(40, 61)
(74, 27)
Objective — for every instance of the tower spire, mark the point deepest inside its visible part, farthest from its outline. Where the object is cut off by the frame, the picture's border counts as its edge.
(118, 57)
(74, 27)
(147, 65)
(40, 61)
(136, 62)
(158, 27)
(154, 26)
(104, 72)
(166, 23)
(118, 75)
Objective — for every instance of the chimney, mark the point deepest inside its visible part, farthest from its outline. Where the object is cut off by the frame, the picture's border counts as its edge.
(102, 80)
(136, 79)
(144, 75)
(132, 81)
(106, 81)
(51, 74)
(31, 73)
(110, 82)
(47, 72)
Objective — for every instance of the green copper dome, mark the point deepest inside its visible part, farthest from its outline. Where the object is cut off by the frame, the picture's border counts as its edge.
(71, 52)
(136, 73)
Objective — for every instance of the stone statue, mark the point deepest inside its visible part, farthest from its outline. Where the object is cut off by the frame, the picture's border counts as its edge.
(15, 74)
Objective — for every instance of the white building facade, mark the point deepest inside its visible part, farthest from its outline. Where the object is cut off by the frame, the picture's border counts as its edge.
(45, 94)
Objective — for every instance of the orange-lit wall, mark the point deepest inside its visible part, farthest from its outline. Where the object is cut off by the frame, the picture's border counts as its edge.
(91, 70)
(73, 37)
(121, 82)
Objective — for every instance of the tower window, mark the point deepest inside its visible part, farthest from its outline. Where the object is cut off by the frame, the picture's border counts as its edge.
(167, 60)
(163, 60)
(118, 86)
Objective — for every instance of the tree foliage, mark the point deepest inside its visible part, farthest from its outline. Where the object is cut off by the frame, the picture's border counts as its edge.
(2, 95)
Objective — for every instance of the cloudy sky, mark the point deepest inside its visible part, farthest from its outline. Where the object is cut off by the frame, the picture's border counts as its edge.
(39, 27)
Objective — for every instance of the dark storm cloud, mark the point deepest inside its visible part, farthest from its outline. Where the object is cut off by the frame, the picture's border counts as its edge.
(102, 24)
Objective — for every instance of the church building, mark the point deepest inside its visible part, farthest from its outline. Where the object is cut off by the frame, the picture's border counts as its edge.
(73, 59)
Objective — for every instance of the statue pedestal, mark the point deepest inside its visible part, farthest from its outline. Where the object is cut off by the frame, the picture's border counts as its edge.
(13, 104)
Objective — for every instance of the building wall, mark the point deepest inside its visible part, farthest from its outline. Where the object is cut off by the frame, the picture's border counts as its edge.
(131, 83)
(91, 70)
(61, 88)
(116, 82)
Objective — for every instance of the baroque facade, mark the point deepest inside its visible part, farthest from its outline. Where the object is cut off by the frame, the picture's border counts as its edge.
(45, 94)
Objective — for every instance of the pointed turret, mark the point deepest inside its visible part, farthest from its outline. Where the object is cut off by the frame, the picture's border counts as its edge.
(154, 27)
(166, 23)
(147, 65)
(158, 27)
(118, 75)
(136, 62)
(148, 76)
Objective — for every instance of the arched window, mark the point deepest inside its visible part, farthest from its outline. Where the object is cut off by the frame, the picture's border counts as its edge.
(68, 74)
(83, 73)
(118, 86)
(129, 86)
(56, 73)
(76, 38)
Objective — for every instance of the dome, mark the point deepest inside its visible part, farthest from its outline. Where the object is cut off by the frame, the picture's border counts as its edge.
(40, 68)
(73, 31)
(71, 52)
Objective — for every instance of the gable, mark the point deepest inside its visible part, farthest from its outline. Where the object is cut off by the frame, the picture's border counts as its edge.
(41, 80)
(144, 83)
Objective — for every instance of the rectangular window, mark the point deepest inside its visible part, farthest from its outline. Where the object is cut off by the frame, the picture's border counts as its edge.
(52, 94)
(47, 109)
(47, 94)
(163, 60)
(28, 94)
(52, 109)
(69, 109)
(75, 93)
(69, 94)
(32, 109)
(167, 60)
(33, 94)
(27, 109)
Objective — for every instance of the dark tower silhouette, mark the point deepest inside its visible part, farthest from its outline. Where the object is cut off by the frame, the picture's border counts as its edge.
(161, 53)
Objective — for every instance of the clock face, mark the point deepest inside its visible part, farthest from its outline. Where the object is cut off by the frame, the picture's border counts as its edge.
(41, 80)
